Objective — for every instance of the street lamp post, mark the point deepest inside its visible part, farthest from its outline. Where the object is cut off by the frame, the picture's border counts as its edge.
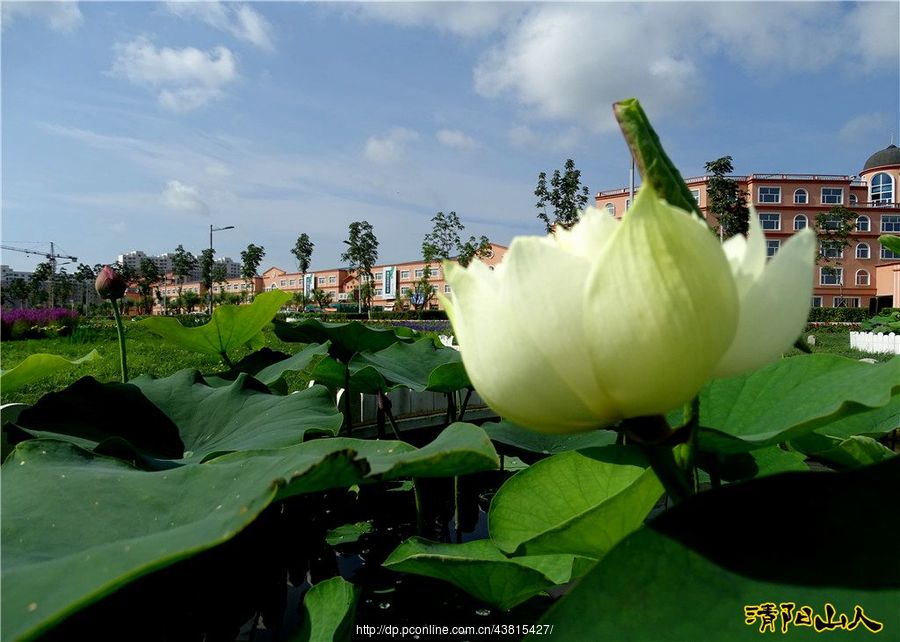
(211, 230)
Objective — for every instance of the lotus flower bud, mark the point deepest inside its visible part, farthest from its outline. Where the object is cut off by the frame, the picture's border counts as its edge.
(110, 285)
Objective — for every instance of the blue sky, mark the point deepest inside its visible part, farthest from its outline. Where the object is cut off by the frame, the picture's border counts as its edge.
(137, 125)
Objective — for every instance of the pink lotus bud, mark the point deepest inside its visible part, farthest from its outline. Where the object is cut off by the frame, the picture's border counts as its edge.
(110, 285)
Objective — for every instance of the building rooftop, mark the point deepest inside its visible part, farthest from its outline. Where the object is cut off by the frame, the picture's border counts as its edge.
(890, 155)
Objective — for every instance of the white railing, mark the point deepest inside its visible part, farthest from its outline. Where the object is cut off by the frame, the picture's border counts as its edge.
(871, 342)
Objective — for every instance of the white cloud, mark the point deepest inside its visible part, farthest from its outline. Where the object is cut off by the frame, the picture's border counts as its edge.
(241, 20)
(178, 196)
(524, 137)
(64, 17)
(455, 139)
(571, 62)
(390, 147)
(467, 19)
(186, 78)
(864, 126)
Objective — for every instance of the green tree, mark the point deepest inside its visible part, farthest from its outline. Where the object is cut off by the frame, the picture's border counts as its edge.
(63, 288)
(565, 195)
(440, 244)
(834, 228)
(250, 260)
(220, 276)
(18, 290)
(361, 255)
(190, 300)
(206, 262)
(183, 263)
(322, 298)
(148, 276)
(302, 251)
(725, 200)
(39, 283)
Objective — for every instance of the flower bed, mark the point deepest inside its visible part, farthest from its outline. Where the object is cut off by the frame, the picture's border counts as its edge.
(37, 323)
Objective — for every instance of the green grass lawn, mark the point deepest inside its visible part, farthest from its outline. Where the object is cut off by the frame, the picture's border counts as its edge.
(147, 354)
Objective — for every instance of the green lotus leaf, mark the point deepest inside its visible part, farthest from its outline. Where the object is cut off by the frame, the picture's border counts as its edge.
(329, 611)
(789, 398)
(100, 523)
(756, 463)
(331, 373)
(269, 366)
(231, 326)
(418, 366)
(179, 418)
(38, 366)
(801, 538)
(481, 569)
(579, 502)
(508, 433)
(838, 452)
(346, 338)
(347, 533)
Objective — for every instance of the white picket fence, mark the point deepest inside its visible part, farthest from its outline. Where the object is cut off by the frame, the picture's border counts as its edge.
(871, 342)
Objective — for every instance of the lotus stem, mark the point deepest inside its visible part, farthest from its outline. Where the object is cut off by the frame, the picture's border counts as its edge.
(120, 329)
(465, 403)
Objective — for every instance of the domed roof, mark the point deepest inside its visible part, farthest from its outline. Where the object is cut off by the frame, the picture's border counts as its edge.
(890, 155)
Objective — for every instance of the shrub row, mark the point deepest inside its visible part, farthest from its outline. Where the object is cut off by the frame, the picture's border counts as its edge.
(846, 315)
(37, 323)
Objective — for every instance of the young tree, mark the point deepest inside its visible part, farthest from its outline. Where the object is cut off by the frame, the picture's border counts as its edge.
(63, 287)
(250, 260)
(361, 255)
(190, 300)
(474, 249)
(220, 276)
(303, 250)
(322, 298)
(565, 195)
(38, 283)
(148, 276)
(725, 199)
(183, 263)
(18, 290)
(834, 228)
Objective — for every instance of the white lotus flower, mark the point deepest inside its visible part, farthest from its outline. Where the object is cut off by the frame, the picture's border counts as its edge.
(774, 296)
(605, 321)
(611, 319)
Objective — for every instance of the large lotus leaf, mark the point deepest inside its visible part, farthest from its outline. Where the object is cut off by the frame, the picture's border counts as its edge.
(579, 502)
(506, 432)
(851, 452)
(38, 366)
(346, 338)
(809, 539)
(874, 422)
(331, 373)
(756, 463)
(418, 366)
(230, 326)
(789, 398)
(241, 416)
(329, 611)
(459, 449)
(481, 569)
(78, 526)
(89, 412)
(269, 366)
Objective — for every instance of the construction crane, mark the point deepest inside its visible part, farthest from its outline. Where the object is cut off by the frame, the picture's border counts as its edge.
(51, 256)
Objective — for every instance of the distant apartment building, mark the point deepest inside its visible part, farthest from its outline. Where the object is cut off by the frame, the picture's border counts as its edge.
(787, 203)
(8, 275)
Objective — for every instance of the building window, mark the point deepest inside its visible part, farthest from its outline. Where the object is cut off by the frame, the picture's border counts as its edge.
(832, 195)
(282, 282)
(446, 288)
(862, 224)
(292, 282)
(831, 250)
(772, 246)
(769, 194)
(321, 280)
(816, 302)
(831, 276)
(770, 221)
(696, 194)
(404, 290)
(800, 222)
(890, 223)
(611, 209)
(887, 255)
(801, 197)
(853, 199)
(332, 280)
(862, 277)
(404, 274)
(342, 296)
(420, 273)
(435, 273)
(846, 301)
(862, 251)
(377, 291)
(882, 189)
(627, 204)
(379, 276)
